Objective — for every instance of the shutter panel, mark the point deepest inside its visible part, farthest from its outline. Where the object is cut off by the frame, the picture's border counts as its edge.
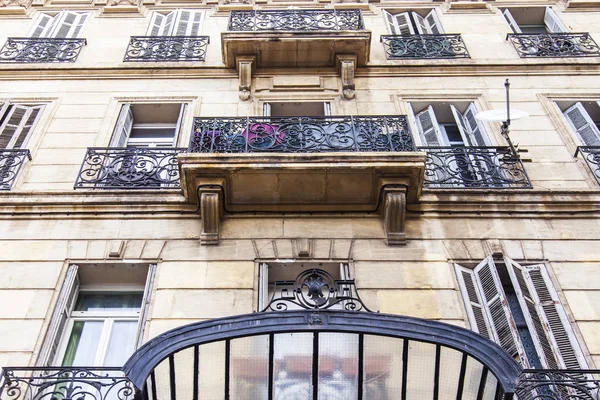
(429, 128)
(266, 110)
(179, 125)
(326, 109)
(79, 24)
(553, 23)
(167, 29)
(460, 122)
(123, 127)
(475, 311)
(18, 125)
(581, 123)
(421, 25)
(145, 304)
(27, 129)
(477, 134)
(503, 327)
(433, 24)
(66, 25)
(263, 286)
(182, 23)
(155, 27)
(195, 26)
(44, 25)
(60, 316)
(511, 21)
(554, 337)
(390, 21)
(403, 24)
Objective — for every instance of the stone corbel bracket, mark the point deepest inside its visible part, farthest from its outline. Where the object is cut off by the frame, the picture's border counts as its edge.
(347, 66)
(211, 210)
(394, 216)
(245, 67)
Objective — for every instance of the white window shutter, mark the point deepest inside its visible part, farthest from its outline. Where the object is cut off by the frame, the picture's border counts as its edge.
(60, 316)
(403, 24)
(123, 127)
(475, 310)
(434, 26)
(460, 122)
(156, 26)
(266, 109)
(477, 134)
(421, 25)
(80, 22)
(145, 304)
(196, 21)
(66, 25)
(511, 21)
(18, 125)
(429, 128)
(327, 109)
(263, 286)
(553, 23)
(168, 23)
(390, 21)
(182, 22)
(581, 123)
(179, 125)
(44, 25)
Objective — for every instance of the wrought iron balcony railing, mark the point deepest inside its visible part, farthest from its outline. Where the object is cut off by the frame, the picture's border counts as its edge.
(296, 20)
(41, 50)
(591, 156)
(474, 168)
(424, 46)
(11, 162)
(166, 48)
(554, 45)
(129, 168)
(301, 134)
(558, 385)
(81, 383)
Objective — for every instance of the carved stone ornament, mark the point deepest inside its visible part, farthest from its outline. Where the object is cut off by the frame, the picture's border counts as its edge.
(15, 3)
(235, 1)
(124, 2)
(210, 209)
(245, 65)
(347, 65)
(394, 216)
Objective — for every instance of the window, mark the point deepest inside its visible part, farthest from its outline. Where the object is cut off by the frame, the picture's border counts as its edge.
(444, 124)
(583, 117)
(176, 23)
(148, 125)
(517, 306)
(16, 124)
(286, 273)
(99, 315)
(65, 24)
(411, 22)
(296, 109)
(534, 20)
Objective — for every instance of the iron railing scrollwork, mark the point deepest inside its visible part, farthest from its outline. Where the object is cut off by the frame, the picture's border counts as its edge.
(558, 385)
(315, 289)
(591, 156)
(440, 46)
(296, 20)
(64, 383)
(166, 48)
(301, 134)
(41, 50)
(129, 168)
(11, 161)
(474, 168)
(554, 45)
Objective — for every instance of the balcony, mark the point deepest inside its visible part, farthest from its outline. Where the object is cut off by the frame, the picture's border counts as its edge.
(129, 168)
(295, 38)
(474, 168)
(166, 48)
(442, 46)
(554, 45)
(11, 161)
(41, 50)
(591, 156)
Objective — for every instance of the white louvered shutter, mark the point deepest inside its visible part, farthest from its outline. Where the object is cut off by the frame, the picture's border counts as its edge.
(553, 23)
(179, 125)
(266, 109)
(18, 124)
(145, 304)
(548, 323)
(123, 127)
(70, 24)
(60, 316)
(157, 24)
(475, 311)
(390, 21)
(327, 109)
(429, 128)
(44, 25)
(403, 25)
(263, 286)
(581, 123)
(476, 131)
(511, 21)
(420, 23)
(460, 122)
(433, 24)
(188, 23)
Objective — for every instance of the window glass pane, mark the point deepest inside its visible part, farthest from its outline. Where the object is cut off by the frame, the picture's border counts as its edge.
(121, 343)
(421, 370)
(338, 366)
(382, 367)
(98, 301)
(83, 343)
(292, 366)
(249, 369)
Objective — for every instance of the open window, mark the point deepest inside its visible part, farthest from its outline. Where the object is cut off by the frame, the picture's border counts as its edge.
(99, 316)
(176, 23)
(583, 117)
(297, 109)
(64, 24)
(419, 21)
(517, 306)
(148, 125)
(17, 122)
(533, 20)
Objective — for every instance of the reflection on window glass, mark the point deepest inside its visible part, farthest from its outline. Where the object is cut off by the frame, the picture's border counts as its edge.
(121, 343)
(97, 301)
(83, 343)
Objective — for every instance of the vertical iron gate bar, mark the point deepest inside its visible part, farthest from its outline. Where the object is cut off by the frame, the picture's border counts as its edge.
(354, 133)
(247, 133)
(436, 374)
(271, 355)
(315, 366)
(153, 385)
(404, 368)
(172, 376)
(196, 372)
(145, 392)
(499, 394)
(361, 348)
(461, 377)
(482, 382)
(227, 365)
